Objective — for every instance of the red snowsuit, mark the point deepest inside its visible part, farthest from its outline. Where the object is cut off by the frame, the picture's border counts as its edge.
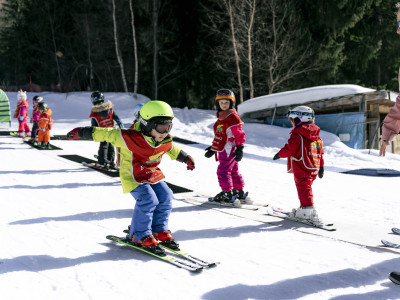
(305, 156)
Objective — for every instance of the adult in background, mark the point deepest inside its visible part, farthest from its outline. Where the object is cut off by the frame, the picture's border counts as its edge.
(390, 128)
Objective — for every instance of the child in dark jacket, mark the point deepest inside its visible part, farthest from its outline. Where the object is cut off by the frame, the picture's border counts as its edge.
(305, 159)
(103, 115)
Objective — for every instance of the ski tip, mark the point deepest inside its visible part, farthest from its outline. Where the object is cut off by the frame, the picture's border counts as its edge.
(198, 270)
(213, 265)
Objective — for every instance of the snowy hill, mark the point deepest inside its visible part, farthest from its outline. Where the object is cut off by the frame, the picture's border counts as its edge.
(55, 215)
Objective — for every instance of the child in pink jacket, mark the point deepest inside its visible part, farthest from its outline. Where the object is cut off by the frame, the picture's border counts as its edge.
(21, 113)
(228, 147)
(391, 124)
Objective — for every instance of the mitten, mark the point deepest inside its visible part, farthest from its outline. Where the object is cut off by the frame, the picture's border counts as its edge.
(84, 133)
(21, 118)
(187, 159)
(276, 156)
(239, 152)
(209, 152)
(43, 129)
(120, 125)
(321, 172)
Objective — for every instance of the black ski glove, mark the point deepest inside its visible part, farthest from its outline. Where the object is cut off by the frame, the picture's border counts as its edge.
(209, 152)
(83, 133)
(321, 172)
(276, 156)
(187, 159)
(239, 152)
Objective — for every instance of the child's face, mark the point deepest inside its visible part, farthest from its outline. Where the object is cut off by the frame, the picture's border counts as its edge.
(224, 104)
(158, 136)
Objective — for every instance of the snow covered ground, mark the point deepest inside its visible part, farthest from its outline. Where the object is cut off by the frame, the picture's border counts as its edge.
(55, 215)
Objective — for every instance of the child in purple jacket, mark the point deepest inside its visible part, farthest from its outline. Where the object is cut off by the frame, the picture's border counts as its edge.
(35, 118)
(228, 147)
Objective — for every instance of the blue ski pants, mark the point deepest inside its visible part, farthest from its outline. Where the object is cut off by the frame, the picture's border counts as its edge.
(152, 209)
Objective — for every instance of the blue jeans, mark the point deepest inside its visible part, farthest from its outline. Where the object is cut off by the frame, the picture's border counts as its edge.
(152, 209)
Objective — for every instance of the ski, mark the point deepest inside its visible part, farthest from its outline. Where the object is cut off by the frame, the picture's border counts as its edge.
(111, 167)
(270, 211)
(390, 244)
(396, 230)
(280, 210)
(286, 212)
(185, 255)
(39, 147)
(184, 264)
(95, 166)
(207, 200)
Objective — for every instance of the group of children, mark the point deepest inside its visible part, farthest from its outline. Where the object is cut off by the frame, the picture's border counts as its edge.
(41, 120)
(147, 140)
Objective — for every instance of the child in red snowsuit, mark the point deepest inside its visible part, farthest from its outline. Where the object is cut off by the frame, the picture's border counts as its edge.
(305, 159)
(228, 147)
(21, 113)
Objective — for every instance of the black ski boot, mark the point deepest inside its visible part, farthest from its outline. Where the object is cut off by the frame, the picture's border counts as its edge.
(242, 196)
(225, 196)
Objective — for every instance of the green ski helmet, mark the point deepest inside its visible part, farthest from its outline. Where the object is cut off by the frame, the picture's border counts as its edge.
(156, 115)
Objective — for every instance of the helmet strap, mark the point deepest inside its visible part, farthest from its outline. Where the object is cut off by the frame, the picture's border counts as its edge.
(296, 122)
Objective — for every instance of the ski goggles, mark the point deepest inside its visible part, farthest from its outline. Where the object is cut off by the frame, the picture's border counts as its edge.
(163, 128)
(224, 92)
(96, 100)
(298, 113)
(398, 25)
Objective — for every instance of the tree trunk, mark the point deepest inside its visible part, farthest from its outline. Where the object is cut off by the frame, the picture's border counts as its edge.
(235, 50)
(117, 50)
(155, 49)
(249, 46)
(135, 84)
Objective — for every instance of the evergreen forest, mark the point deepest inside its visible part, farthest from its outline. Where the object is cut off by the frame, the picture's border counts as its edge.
(182, 51)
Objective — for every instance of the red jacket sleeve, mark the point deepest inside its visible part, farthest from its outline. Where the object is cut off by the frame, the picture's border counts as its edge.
(239, 134)
(291, 147)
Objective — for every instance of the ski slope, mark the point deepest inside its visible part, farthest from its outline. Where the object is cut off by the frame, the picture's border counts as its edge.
(55, 215)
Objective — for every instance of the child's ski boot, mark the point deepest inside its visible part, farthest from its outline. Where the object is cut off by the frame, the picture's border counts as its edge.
(225, 196)
(242, 196)
(306, 213)
(103, 166)
(165, 238)
(149, 243)
(45, 146)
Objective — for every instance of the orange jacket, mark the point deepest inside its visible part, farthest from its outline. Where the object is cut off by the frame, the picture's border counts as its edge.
(45, 120)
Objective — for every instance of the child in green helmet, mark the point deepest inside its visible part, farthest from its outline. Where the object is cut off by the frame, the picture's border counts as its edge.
(142, 148)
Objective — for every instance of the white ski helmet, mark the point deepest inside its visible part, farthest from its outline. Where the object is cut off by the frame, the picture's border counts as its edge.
(304, 114)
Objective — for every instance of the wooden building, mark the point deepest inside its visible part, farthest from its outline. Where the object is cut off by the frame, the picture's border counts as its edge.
(373, 104)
